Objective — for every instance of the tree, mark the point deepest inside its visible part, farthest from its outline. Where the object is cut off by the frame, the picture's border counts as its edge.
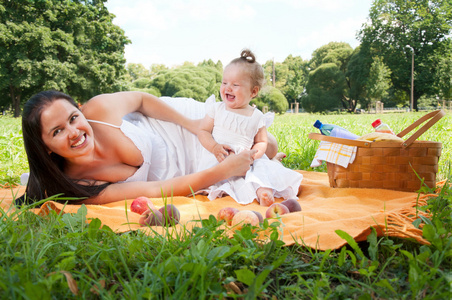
(379, 80)
(137, 71)
(325, 88)
(68, 45)
(397, 26)
(290, 76)
(357, 73)
(272, 98)
(330, 60)
(189, 81)
(443, 76)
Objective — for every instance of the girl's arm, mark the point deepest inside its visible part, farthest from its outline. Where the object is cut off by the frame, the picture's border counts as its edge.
(233, 165)
(111, 108)
(207, 141)
(260, 142)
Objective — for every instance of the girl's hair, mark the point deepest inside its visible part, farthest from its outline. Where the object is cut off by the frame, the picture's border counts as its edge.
(47, 177)
(248, 62)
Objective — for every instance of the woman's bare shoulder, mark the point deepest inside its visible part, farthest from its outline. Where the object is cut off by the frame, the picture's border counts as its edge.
(96, 107)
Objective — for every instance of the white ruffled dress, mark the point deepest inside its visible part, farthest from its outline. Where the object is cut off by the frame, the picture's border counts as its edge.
(238, 131)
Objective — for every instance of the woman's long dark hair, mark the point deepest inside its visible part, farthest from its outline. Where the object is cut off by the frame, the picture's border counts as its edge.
(47, 176)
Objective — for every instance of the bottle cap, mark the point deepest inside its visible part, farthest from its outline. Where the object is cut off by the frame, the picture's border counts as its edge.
(318, 124)
(376, 123)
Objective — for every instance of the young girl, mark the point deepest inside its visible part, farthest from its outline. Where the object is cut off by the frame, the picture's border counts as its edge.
(233, 126)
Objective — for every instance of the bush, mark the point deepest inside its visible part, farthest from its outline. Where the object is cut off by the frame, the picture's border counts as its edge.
(189, 81)
(273, 98)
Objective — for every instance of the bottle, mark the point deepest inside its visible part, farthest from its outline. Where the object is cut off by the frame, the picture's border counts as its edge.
(334, 131)
(381, 127)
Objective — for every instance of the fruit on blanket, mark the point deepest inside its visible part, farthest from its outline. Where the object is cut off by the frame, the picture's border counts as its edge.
(151, 217)
(259, 216)
(292, 205)
(275, 210)
(171, 214)
(226, 214)
(244, 217)
(141, 204)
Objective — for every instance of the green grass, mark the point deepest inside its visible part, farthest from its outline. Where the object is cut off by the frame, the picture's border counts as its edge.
(42, 257)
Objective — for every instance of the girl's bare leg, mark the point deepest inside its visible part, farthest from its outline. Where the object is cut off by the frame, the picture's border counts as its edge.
(272, 149)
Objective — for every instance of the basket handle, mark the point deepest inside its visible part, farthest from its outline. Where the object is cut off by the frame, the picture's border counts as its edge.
(434, 117)
(327, 138)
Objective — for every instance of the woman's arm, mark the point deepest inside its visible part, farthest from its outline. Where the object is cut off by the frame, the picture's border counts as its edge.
(111, 108)
(260, 142)
(233, 165)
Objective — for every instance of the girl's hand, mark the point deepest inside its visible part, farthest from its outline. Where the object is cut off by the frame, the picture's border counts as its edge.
(239, 164)
(221, 151)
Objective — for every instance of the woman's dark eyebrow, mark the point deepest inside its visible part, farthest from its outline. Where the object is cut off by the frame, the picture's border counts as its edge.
(70, 116)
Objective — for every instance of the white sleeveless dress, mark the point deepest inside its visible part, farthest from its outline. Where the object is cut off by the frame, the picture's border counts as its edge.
(238, 132)
(169, 150)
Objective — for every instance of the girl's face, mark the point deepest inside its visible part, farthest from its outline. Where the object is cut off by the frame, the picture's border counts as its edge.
(65, 130)
(236, 90)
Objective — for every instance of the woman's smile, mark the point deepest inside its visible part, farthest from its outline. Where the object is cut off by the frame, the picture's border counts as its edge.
(79, 141)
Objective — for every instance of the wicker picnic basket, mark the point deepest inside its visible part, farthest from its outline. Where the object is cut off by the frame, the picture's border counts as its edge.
(389, 165)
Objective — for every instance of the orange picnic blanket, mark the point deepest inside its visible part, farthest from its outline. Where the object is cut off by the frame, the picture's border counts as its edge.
(324, 210)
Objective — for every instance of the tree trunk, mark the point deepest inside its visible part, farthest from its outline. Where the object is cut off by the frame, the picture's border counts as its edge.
(16, 101)
(415, 99)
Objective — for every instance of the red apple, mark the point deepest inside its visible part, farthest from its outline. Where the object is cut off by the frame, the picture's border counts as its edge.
(244, 217)
(171, 214)
(226, 214)
(292, 205)
(151, 217)
(275, 210)
(141, 204)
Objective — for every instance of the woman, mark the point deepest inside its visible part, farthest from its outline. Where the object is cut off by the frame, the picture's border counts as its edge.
(119, 146)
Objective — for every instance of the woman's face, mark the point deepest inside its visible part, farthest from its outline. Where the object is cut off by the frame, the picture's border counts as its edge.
(65, 130)
(236, 90)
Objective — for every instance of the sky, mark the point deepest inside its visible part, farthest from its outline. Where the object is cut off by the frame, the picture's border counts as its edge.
(172, 32)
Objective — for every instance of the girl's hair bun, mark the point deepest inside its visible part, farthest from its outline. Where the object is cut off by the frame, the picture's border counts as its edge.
(248, 55)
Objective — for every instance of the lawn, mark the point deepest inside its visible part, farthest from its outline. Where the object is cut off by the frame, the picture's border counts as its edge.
(60, 256)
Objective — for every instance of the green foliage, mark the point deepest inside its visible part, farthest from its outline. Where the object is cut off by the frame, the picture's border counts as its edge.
(379, 80)
(443, 77)
(137, 71)
(329, 85)
(71, 46)
(272, 98)
(290, 76)
(189, 81)
(13, 160)
(396, 28)
(325, 88)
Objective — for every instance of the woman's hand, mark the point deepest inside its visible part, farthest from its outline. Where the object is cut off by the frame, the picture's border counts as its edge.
(239, 164)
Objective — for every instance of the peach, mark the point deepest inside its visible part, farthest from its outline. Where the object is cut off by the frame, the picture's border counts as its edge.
(226, 214)
(292, 205)
(244, 217)
(275, 210)
(151, 217)
(259, 216)
(141, 204)
(171, 214)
